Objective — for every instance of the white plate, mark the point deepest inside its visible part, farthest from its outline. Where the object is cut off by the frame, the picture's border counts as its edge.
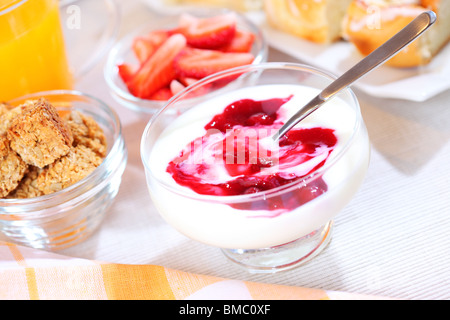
(414, 84)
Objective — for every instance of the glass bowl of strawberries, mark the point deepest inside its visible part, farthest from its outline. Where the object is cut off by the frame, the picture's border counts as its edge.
(152, 64)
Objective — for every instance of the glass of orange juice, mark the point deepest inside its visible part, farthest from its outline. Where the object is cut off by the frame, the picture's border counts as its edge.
(32, 50)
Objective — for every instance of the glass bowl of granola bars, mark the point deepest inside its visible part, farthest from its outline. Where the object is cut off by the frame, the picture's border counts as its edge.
(157, 60)
(62, 157)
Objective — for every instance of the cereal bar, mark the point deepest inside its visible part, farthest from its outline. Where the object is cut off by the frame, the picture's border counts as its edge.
(12, 168)
(27, 188)
(8, 114)
(39, 135)
(86, 132)
(69, 169)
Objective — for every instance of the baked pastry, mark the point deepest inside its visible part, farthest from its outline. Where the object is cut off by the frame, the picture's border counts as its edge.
(370, 23)
(319, 21)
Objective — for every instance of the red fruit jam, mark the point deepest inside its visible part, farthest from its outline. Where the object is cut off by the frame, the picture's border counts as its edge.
(247, 165)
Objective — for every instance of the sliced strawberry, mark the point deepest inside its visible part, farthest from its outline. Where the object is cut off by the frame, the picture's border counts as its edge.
(176, 86)
(162, 94)
(126, 72)
(199, 63)
(242, 42)
(142, 49)
(187, 81)
(158, 70)
(145, 46)
(208, 33)
(204, 89)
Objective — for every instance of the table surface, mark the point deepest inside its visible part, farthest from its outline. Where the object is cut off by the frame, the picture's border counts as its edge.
(392, 240)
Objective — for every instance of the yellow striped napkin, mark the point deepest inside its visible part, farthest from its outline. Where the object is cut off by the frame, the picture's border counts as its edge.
(30, 274)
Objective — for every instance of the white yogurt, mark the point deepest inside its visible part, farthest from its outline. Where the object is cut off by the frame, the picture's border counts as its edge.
(206, 219)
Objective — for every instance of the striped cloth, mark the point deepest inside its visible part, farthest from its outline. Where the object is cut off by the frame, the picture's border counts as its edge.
(30, 274)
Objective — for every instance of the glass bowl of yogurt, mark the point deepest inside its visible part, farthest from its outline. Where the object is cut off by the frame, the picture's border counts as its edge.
(268, 208)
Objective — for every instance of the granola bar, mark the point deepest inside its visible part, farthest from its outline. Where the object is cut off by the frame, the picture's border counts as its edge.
(39, 135)
(69, 169)
(12, 168)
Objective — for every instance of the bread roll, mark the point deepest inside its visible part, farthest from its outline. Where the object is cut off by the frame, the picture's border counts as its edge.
(369, 23)
(315, 20)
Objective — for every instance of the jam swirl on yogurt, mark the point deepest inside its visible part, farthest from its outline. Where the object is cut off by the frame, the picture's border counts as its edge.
(229, 159)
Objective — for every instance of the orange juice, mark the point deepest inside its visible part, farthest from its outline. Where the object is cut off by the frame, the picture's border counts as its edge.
(32, 51)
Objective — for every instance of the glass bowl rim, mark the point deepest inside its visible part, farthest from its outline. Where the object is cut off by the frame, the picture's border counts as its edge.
(113, 56)
(11, 6)
(72, 191)
(260, 195)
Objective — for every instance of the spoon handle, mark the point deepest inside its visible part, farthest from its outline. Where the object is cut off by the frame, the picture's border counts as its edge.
(373, 60)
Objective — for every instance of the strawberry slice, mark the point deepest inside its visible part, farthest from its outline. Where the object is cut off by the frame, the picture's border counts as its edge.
(187, 81)
(241, 42)
(208, 33)
(162, 94)
(199, 63)
(145, 46)
(176, 86)
(143, 49)
(158, 70)
(126, 72)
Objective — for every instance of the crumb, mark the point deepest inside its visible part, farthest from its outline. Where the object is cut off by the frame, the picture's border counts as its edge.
(86, 132)
(39, 135)
(12, 168)
(69, 169)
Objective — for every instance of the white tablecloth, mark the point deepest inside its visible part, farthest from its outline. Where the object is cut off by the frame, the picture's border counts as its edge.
(391, 240)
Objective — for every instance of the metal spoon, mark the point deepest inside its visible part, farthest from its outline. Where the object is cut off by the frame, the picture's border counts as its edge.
(373, 60)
